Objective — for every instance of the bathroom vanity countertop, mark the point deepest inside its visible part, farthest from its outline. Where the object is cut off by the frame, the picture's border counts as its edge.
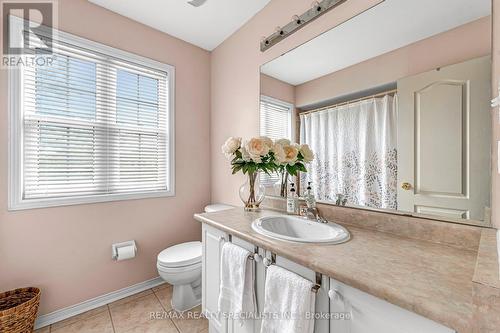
(430, 279)
(487, 270)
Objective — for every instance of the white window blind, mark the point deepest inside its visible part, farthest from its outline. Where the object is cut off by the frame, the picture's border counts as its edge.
(95, 125)
(275, 123)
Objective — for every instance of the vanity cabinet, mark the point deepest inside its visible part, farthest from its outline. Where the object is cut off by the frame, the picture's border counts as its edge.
(367, 313)
(212, 241)
(334, 300)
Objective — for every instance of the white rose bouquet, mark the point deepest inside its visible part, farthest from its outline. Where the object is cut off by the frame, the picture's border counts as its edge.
(250, 157)
(262, 154)
(290, 158)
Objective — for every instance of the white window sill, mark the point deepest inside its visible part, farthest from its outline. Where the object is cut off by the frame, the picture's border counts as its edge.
(23, 204)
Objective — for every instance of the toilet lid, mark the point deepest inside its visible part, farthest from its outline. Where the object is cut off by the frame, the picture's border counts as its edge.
(217, 208)
(181, 255)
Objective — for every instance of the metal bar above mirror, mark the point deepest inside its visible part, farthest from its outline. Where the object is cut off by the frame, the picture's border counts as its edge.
(298, 22)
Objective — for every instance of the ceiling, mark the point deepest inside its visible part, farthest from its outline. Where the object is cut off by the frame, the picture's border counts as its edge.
(206, 26)
(388, 26)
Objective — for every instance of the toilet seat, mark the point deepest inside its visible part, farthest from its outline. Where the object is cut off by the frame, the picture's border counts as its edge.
(181, 255)
(182, 269)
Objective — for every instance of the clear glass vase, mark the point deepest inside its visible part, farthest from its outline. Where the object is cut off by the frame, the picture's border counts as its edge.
(252, 193)
(283, 183)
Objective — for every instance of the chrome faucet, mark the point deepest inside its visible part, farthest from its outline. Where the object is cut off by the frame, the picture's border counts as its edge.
(312, 213)
(341, 200)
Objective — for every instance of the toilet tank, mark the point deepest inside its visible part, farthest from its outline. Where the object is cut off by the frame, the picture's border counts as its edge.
(217, 207)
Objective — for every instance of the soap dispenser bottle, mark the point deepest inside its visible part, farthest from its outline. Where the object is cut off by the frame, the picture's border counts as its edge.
(292, 201)
(309, 197)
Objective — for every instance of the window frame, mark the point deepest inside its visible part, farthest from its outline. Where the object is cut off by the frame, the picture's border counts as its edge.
(291, 108)
(16, 131)
(291, 128)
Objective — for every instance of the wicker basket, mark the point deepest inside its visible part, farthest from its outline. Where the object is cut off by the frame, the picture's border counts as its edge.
(18, 309)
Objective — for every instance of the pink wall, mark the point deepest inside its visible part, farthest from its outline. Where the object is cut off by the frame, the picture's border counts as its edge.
(272, 87)
(466, 42)
(67, 250)
(235, 79)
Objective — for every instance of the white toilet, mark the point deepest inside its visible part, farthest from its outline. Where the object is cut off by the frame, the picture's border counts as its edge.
(180, 265)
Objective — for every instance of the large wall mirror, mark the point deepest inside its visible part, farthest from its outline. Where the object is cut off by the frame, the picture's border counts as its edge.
(395, 103)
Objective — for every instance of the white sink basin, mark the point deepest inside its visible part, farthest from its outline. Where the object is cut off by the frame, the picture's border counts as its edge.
(299, 229)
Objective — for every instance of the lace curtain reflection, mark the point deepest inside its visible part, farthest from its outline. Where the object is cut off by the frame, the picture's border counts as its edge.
(356, 152)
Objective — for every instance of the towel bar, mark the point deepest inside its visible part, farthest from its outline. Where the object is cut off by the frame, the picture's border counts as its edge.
(253, 256)
(317, 286)
(268, 262)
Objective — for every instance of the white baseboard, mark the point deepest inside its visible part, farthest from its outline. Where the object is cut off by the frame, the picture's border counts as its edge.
(70, 311)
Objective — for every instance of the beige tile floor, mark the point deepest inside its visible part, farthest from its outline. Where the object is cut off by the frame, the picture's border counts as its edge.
(133, 315)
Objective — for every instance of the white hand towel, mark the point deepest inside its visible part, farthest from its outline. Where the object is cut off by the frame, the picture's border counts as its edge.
(288, 301)
(236, 294)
